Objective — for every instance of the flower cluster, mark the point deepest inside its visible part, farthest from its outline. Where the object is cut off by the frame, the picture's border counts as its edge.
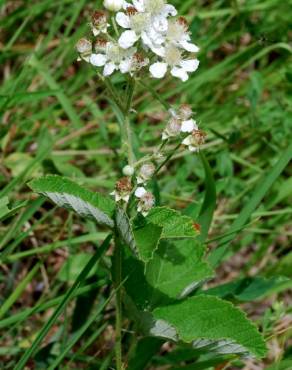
(149, 31)
(181, 123)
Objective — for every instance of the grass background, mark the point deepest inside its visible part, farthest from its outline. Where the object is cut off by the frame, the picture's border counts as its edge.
(56, 118)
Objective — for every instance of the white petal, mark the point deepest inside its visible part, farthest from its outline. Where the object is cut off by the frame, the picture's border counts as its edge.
(189, 126)
(140, 192)
(139, 5)
(123, 20)
(126, 198)
(158, 70)
(128, 39)
(98, 60)
(180, 73)
(187, 141)
(190, 65)
(125, 66)
(95, 31)
(192, 48)
(193, 149)
(109, 68)
(169, 10)
(160, 24)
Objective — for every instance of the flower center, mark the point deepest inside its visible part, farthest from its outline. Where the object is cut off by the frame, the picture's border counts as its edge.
(173, 55)
(139, 22)
(154, 6)
(176, 30)
(114, 53)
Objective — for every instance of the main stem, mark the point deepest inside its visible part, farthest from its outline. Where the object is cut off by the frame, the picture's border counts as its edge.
(117, 263)
(117, 285)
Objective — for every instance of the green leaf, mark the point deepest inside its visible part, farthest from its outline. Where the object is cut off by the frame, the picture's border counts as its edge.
(66, 193)
(249, 289)
(206, 321)
(147, 239)
(125, 230)
(175, 225)
(177, 269)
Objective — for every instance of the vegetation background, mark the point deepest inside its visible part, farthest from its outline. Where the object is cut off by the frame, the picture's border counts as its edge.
(56, 118)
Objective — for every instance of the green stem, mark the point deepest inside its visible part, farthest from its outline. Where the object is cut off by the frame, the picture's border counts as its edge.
(168, 158)
(117, 265)
(128, 131)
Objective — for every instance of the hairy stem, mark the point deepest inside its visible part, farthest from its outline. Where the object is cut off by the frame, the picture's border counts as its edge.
(117, 275)
(128, 131)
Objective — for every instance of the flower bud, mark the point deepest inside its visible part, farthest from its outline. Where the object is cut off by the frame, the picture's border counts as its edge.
(146, 201)
(123, 190)
(113, 5)
(185, 112)
(128, 171)
(145, 173)
(84, 46)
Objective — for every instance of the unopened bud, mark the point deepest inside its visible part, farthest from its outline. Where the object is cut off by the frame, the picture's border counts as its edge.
(145, 173)
(185, 112)
(128, 171)
(84, 46)
(113, 5)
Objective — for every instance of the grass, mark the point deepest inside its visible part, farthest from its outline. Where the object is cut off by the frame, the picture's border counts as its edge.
(56, 118)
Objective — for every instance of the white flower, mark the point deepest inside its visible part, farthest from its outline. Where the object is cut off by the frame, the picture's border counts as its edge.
(195, 140)
(133, 64)
(99, 23)
(189, 126)
(179, 36)
(84, 48)
(128, 171)
(113, 5)
(172, 129)
(112, 58)
(145, 19)
(146, 200)
(179, 67)
(145, 173)
(123, 190)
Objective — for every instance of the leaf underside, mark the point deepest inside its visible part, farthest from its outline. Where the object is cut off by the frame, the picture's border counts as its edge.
(67, 194)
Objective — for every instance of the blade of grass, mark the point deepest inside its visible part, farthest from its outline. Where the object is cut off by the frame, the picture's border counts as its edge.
(46, 328)
(261, 190)
(209, 204)
(18, 290)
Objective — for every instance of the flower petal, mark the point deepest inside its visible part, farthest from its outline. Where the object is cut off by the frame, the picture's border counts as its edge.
(180, 73)
(128, 39)
(189, 126)
(109, 68)
(187, 141)
(188, 46)
(158, 70)
(125, 66)
(123, 20)
(139, 5)
(169, 10)
(98, 60)
(140, 192)
(190, 65)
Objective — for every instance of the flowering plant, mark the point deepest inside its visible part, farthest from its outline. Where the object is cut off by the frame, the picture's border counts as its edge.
(159, 266)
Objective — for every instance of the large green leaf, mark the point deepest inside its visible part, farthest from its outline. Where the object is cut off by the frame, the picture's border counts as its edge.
(174, 224)
(176, 268)
(66, 193)
(147, 239)
(206, 321)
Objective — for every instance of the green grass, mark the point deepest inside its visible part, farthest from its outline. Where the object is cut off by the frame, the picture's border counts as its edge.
(56, 118)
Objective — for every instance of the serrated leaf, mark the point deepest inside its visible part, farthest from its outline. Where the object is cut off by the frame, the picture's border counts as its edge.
(174, 224)
(66, 193)
(206, 320)
(177, 268)
(147, 239)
